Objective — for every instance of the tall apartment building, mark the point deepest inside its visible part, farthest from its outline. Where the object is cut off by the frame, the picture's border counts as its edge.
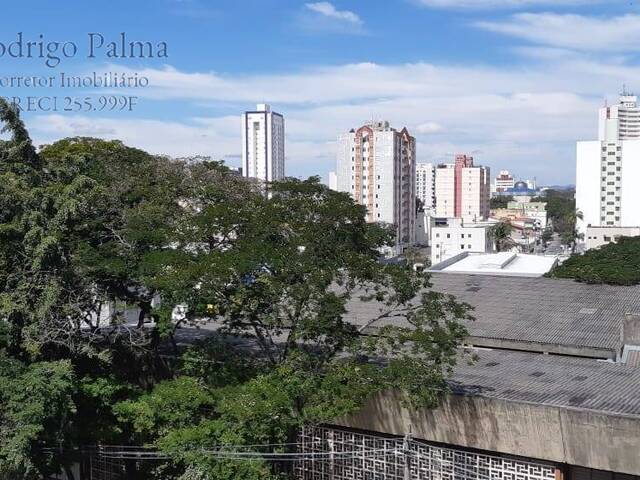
(376, 165)
(503, 181)
(621, 121)
(462, 190)
(426, 184)
(608, 170)
(263, 144)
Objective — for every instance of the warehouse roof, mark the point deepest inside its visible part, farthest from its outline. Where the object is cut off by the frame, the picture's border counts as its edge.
(551, 380)
(539, 314)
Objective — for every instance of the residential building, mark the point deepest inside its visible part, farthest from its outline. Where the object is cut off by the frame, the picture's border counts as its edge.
(503, 181)
(376, 166)
(621, 121)
(596, 237)
(462, 190)
(452, 236)
(263, 144)
(445, 190)
(333, 181)
(537, 211)
(426, 185)
(608, 170)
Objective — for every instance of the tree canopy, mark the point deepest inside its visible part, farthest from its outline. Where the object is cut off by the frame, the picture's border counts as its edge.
(269, 271)
(615, 264)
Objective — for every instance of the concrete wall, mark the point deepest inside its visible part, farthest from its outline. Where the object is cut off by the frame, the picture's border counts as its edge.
(575, 437)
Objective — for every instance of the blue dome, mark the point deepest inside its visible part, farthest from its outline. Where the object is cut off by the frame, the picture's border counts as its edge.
(520, 186)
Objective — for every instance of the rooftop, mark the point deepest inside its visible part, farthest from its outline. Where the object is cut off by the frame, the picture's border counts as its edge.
(505, 263)
(551, 380)
(533, 314)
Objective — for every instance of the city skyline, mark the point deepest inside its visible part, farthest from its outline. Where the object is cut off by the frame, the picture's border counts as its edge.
(502, 83)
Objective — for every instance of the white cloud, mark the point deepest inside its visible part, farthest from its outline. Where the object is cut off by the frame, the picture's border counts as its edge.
(570, 31)
(523, 118)
(502, 4)
(429, 127)
(328, 10)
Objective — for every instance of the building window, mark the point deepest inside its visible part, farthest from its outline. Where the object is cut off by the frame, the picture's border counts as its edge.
(461, 247)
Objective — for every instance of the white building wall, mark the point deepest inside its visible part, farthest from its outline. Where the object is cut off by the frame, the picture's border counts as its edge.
(263, 149)
(588, 184)
(344, 163)
(596, 237)
(630, 184)
(425, 184)
(385, 171)
(455, 238)
(333, 181)
(445, 191)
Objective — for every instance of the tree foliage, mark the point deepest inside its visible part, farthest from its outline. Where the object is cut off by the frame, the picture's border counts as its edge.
(562, 214)
(501, 234)
(271, 270)
(615, 264)
(36, 408)
(500, 201)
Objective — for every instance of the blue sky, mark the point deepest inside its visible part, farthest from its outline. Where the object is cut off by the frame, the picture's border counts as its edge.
(513, 82)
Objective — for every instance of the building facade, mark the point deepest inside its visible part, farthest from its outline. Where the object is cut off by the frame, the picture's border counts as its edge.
(597, 237)
(426, 184)
(333, 181)
(376, 165)
(263, 144)
(608, 170)
(621, 121)
(503, 181)
(462, 190)
(452, 236)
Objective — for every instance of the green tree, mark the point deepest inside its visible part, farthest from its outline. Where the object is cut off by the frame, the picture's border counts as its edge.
(36, 408)
(562, 215)
(281, 268)
(616, 264)
(275, 267)
(78, 223)
(500, 201)
(501, 234)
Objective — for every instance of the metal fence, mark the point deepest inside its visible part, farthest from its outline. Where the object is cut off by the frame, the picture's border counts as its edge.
(393, 458)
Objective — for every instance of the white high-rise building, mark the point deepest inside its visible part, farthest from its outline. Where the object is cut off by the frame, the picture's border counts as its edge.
(621, 121)
(376, 166)
(263, 144)
(462, 190)
(333, 181)
(426, 185)
(608, 170)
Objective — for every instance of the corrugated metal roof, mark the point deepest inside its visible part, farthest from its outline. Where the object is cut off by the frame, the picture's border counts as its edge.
(551, 380)
(535, 310)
